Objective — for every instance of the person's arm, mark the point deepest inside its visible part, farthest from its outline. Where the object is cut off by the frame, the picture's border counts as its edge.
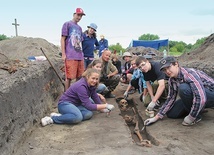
(63, 38)
(97, 45)
(199, 95)
(161, 87)
(113, 70)
(106, 43)
(170, 99)
(102, 98)
(149, 88)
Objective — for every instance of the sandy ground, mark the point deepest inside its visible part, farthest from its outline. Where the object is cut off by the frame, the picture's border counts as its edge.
(111, 135)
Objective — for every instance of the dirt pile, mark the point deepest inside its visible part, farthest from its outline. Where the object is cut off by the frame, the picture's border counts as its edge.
(201, 58)
(28, 88)
(140, 50)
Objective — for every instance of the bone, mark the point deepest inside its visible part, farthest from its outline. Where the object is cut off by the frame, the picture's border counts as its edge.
(142, 142)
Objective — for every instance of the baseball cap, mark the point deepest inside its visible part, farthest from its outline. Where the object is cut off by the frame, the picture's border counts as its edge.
(93, 26)
(166, 62)
(79, 11)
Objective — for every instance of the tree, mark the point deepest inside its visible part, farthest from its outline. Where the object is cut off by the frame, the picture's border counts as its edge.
(3, 37)
(116, 47)
(148, 36)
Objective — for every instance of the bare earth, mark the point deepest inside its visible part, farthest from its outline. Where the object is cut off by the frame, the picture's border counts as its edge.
(110, 135)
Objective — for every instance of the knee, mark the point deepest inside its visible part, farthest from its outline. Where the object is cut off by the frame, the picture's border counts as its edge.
(184, 89)
(88, 115)
(76, 120)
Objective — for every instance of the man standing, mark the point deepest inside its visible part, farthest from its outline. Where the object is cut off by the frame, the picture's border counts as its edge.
(103, 44)
(71, 45)
(108, 73)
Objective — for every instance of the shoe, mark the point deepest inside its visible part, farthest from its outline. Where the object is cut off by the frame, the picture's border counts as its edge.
(109, 95)
(132, 91)
(55, 114)
(198, 119)
(46, 120)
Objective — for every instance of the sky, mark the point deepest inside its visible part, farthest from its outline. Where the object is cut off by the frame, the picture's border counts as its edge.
(118, 20)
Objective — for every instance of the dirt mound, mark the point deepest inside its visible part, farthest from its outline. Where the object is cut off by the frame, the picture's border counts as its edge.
(23, 47)
(14, 53)
(201, 58)
(140, 50)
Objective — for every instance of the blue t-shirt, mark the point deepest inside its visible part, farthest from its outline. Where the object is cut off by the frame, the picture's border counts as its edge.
(73, 43)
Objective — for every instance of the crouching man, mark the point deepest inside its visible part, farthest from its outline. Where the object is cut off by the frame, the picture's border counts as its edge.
(194, 87)
(109, 72)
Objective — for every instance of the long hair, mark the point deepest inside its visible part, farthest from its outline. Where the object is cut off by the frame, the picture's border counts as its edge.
(94, 34)
(89, 72)
(94, 62)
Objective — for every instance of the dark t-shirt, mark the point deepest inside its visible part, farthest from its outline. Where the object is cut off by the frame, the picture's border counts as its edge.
(154, 73)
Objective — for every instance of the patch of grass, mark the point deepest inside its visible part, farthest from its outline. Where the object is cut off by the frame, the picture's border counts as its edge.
(176, 54)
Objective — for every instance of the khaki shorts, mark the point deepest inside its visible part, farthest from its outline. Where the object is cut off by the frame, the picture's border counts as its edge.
(74, 69)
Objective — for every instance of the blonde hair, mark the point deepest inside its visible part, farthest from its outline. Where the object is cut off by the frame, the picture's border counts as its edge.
(89, 72)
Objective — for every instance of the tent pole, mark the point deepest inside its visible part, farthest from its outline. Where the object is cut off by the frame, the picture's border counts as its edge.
(168, 48)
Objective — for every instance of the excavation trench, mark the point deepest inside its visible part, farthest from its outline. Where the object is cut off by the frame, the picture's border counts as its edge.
(134, 120)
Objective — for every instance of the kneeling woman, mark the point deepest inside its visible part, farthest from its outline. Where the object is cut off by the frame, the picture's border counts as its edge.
(74, 105)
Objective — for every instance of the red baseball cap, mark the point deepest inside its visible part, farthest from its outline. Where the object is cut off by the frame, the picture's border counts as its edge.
(79, 11)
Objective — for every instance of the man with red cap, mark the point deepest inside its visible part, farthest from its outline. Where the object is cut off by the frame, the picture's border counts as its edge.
(71, 45)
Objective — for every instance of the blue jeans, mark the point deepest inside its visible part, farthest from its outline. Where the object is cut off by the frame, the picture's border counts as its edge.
(87, 62)
(71, 114)
(182, 106)
(101, 87)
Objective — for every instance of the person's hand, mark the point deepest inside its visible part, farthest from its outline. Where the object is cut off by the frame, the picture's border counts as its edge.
(187, 121)
(150, 120)
(151, 106)
(125, 94)
(109, 106)
(143, 98)
(105, 110)
(102, 98)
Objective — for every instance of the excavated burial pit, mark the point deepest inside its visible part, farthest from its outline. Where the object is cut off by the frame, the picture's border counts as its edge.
(131, 115)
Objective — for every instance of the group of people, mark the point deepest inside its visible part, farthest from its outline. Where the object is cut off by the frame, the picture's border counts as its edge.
(97, 78)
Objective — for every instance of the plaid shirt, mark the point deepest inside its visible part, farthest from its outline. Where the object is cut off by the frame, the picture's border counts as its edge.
(198, 81)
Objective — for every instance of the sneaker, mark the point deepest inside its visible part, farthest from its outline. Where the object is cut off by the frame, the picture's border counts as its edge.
(55, 114)
(46, 120)
(132, 91)
(198, 119)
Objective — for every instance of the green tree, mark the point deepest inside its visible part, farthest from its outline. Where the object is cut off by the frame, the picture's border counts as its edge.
(116, 47)
(3, 37)
(148, 36)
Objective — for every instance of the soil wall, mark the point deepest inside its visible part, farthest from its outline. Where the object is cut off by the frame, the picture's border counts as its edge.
(25, 97)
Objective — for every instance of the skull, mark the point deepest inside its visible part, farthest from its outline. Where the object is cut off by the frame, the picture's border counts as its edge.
(123, 105)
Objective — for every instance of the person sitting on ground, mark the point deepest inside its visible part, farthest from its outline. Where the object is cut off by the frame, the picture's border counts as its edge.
(127, 74)
(75, 105)
(155, 81)
(137, 80)
(109, 72)
(194, 87)
(101, 89)
(116, 62)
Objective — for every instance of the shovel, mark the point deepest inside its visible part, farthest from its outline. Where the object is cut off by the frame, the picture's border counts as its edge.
(53, 68)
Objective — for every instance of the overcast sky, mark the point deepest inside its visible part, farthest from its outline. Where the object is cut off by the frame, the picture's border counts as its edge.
(118, 20)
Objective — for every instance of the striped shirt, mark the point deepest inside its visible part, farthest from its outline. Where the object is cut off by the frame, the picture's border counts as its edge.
(198, 81)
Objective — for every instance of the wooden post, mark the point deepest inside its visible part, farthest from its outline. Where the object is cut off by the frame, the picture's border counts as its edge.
(16, 27)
